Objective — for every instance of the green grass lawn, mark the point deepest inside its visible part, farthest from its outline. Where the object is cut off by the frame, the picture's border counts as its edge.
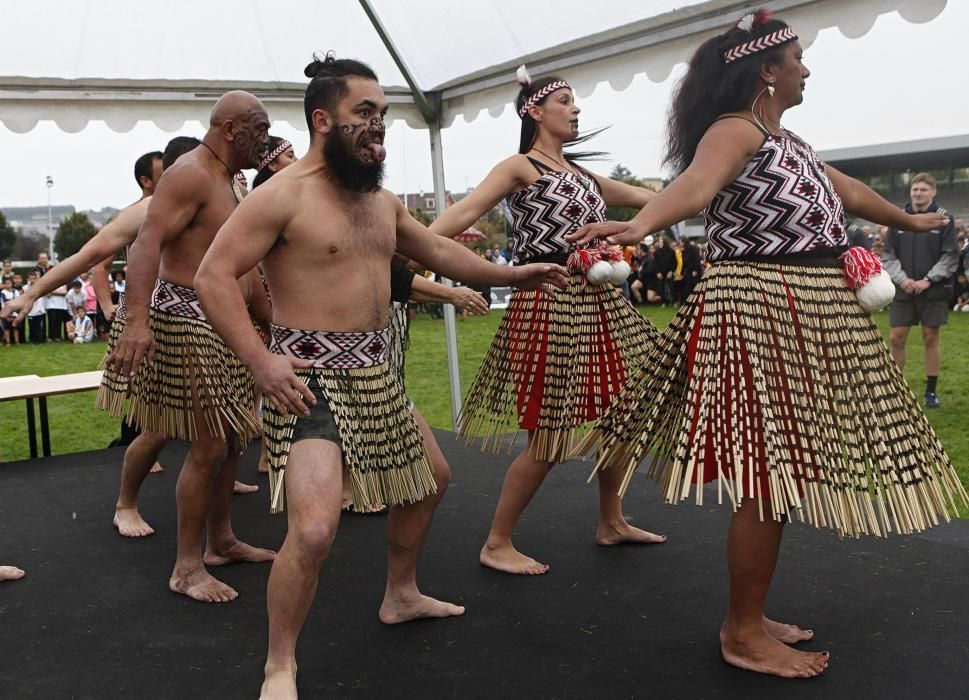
(77, 426)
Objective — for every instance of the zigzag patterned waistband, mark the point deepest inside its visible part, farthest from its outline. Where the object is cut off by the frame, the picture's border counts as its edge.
(333, 349)
(121, 311)
(176, 300)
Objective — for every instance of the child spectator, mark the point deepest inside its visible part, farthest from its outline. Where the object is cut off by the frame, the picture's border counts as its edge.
(81, 328)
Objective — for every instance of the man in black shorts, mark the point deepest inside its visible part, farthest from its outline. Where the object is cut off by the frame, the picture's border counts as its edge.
(921, 266)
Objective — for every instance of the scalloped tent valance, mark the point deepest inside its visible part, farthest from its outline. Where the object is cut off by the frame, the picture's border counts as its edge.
(72, 63)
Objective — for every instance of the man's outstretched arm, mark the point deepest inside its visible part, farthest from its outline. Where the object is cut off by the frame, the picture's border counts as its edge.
(104, 244)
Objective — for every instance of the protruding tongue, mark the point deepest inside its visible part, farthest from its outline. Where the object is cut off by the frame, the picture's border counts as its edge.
(377, 151)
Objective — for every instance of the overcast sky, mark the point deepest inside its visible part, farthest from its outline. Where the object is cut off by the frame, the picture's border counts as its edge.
(899, 82)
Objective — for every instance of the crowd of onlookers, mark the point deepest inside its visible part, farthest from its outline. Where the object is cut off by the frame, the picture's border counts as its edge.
(664, 271)
(70, 313)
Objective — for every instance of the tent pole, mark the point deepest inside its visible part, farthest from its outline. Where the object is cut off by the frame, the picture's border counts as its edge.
(450, 327)
(430, 106)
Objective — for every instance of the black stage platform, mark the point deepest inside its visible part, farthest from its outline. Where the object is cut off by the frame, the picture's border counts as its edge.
(94, 617)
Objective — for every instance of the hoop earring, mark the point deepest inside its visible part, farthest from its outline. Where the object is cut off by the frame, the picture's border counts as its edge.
(758, 110)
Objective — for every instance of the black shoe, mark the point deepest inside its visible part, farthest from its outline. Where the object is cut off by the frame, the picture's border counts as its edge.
(931, 400)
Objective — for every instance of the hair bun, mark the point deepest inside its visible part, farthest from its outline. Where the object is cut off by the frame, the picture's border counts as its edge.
(312, 68)
(320, 61)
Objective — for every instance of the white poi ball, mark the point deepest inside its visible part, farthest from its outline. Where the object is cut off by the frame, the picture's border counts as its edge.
(877, 293)
(620, 271)
(600, 273)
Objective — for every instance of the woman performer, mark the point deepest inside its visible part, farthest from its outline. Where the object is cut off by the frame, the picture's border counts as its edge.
(771, 375)
(279, 155)
(559, 357)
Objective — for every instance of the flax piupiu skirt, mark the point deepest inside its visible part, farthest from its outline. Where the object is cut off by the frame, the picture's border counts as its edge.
(775, 383)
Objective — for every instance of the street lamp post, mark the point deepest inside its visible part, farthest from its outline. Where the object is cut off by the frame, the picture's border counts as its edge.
(50, 221)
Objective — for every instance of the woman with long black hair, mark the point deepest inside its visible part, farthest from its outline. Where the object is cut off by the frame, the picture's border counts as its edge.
(559, 356)
(772, 379)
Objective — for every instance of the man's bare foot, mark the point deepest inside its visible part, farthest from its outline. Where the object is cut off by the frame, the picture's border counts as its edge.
(11, 573)
(508, 559)
(789, 634)
(624, 533)
(395, 610)
(130, 523)
(156, 468)
(236, 552)
(762, 653)
(239, 487)
(279, 685)
(200, 585)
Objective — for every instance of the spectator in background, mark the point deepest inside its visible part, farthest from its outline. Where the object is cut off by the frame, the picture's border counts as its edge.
(57, 313)
(91, 297)
(18, 282)
(76, 297)
(665, 265)
(37, 316)
(692, 268)
(643, 288)
(8, 294)
(80, 329)
(497, 255)
(117, 286)
(960, 300)
(857, 236)
(7, 270)
(921, 266)
(43, 264)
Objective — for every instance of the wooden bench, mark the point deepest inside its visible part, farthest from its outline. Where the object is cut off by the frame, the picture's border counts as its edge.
(29, 387)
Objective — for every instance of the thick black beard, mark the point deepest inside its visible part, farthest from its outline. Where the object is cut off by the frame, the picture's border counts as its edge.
(351, 172)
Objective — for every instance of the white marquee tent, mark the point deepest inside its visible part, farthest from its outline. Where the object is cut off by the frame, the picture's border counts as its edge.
(166, 62)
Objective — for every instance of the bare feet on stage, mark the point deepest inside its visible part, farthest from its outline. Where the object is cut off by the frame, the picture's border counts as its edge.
(200, 585)
(624, 533)
(758, 651)
(279, 685)
(11, 573)
(156, 468)
(504, 557)
(398, 608)
(130, 523)
(236, 551)
(789, 634)
(239, 487)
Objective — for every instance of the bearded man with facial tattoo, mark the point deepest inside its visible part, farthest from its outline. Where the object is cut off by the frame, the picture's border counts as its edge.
(325, 228)
(184, 381)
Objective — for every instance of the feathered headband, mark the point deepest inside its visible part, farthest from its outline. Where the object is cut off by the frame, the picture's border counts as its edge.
(525, 80)
(283, 146)
(768, 41)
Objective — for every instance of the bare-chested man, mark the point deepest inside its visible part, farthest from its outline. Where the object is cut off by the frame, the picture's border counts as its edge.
(326, 233)
(142, 452)
(190, 386)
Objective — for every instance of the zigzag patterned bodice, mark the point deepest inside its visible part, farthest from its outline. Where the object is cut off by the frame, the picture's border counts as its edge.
(556, 204)
(781, 203)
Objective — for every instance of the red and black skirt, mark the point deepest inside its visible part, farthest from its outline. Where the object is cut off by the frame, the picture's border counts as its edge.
(775, 383)
(555, 364)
